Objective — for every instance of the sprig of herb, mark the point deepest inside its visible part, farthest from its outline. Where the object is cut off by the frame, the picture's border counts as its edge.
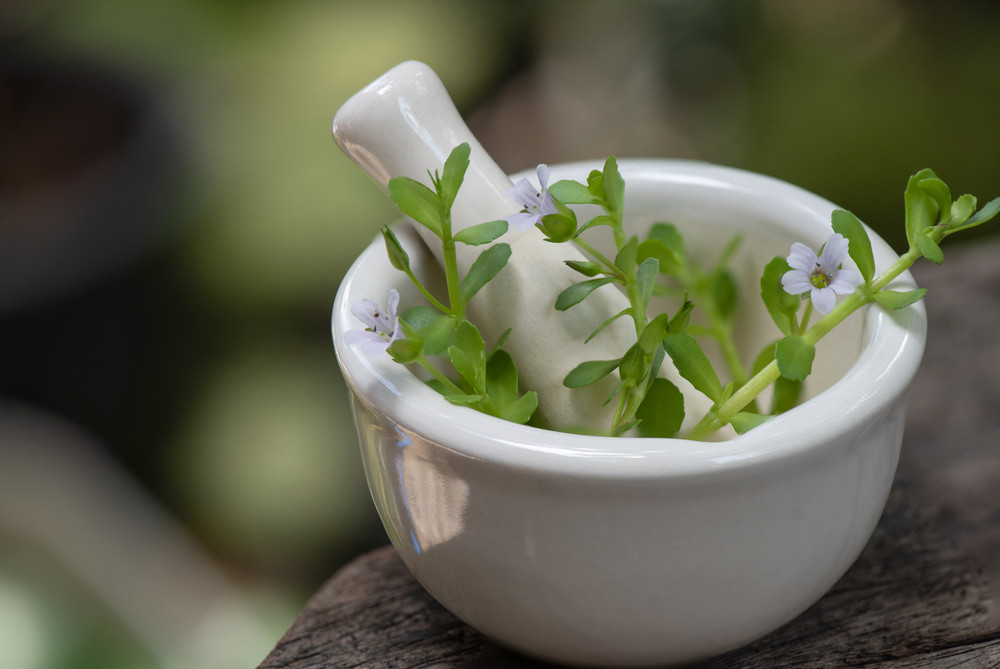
(793, 290)
(483, 379)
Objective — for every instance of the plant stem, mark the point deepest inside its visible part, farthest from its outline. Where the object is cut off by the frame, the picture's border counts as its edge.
(598, 256)
(439, 376)
(426, 293)
(451, 270)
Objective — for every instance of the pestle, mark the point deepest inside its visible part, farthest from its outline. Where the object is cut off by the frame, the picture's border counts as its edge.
(404, 124)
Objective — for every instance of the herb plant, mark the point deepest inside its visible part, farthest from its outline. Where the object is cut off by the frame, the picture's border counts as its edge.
(793, 289)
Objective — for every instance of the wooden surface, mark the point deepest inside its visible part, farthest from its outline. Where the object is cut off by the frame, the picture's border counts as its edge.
(924, 593)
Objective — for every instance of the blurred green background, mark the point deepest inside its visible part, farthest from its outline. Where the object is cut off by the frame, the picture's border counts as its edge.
(178, 467)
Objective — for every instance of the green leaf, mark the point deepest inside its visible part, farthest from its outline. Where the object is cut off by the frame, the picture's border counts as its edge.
(893, 299)
(795, 357)
(634, 366)
(405, 350)
(626, 258)
(572, 192)
(658, 355)
(780, 304)
(961, 209)
(645, 278)
(417, 201)
(502, 388)
(669, 235)
(595, 184)
(461, 400)
(522, 409)
(501, 377)
(654, 333)
(724, 294)
(939, 192)
(679, 321)
(559, 227)
(921, 209)
(988, 212)
(420, 316)
(859, 245)
(786, 395)
(614, 186)
(432, 327)
(670, 262)
(500, 342)
(483, 270)
(589, 372)
(662, 410)
(623, 312)
(693, 364)
(483, 233)
(397, 254)
(453, 174)
(468, 354)
(745, 421)
(929, 248)
(578, 291)
(586, 267)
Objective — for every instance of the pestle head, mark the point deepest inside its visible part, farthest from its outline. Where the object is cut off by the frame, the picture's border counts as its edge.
(403, 124)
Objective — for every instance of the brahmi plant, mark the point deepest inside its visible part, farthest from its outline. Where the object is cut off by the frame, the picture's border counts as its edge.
(807, 294)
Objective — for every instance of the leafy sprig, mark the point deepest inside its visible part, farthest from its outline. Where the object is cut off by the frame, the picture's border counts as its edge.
(483, 379)
(652, 404)
(930, 215)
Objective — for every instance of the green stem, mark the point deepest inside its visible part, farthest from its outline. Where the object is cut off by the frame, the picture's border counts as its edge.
(451, 270)
(426, 293)
(438, 375)
(731, 356)
(599, 257)
(806, 316)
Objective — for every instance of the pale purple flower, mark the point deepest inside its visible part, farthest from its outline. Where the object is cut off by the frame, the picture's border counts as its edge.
(535, 203)
(381, 327)
(822, 277)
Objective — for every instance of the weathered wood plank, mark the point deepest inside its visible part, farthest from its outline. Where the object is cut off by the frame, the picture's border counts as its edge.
(373, 614)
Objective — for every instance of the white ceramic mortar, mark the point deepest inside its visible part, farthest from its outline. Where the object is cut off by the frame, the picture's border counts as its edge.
(629, 551)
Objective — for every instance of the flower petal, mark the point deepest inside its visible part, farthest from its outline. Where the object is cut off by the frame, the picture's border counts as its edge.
(845, 281)
(802, 257)
(834, 253)
(543, 175)
(522, 220)
(524, 193)
(393, 304)
(796, 282)
(370, 343)
(365, 312)
(824, 299)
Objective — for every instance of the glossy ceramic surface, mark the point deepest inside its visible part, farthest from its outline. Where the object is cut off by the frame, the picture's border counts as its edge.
(601, 551)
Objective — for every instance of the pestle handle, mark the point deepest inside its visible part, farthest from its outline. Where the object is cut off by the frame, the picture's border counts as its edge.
(405, 123)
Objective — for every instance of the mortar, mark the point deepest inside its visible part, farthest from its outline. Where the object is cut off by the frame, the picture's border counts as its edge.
(639, 552)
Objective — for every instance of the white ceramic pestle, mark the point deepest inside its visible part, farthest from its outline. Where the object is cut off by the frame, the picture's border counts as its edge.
(404, 124)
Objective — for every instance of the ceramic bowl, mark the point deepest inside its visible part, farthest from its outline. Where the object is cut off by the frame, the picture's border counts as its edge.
(628, 551)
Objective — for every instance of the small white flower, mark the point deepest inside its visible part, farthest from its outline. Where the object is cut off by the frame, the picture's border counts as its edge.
(382, 326)
(822, 277)
(535, 203)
